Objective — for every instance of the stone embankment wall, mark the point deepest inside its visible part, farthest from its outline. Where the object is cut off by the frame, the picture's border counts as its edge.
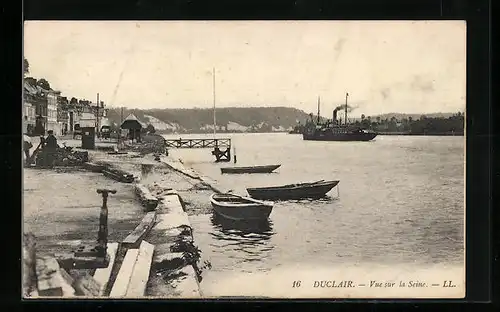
(174, 270)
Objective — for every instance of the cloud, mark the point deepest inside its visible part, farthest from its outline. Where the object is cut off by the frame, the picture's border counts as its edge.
(386, 93)
(283, 64)
(338, 47)
(420, 84)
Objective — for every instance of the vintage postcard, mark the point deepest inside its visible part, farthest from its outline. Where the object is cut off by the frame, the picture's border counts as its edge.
(259, 159)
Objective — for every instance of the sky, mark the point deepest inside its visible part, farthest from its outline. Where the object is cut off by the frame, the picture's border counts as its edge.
(385, 66)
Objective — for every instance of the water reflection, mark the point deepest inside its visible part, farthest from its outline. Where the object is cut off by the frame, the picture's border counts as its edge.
(249, 240)
(325, 199)
(260, 228)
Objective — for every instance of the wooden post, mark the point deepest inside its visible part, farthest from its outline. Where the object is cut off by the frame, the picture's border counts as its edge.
(29, 264)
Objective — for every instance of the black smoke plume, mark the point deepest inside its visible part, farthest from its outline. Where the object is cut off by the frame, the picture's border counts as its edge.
(343, 106)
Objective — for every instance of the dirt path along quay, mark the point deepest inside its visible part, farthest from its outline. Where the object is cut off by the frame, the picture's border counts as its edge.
(64, 205)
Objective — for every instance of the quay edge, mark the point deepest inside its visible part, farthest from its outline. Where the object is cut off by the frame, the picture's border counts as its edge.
(171, 274)
(178, 166)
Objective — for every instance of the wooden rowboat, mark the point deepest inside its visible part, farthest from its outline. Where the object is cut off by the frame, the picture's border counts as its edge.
(236, 207)
(251, 169)
(312, 190)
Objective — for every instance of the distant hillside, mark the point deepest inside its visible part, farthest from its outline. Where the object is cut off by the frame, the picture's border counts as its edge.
(401, 116)
(230, 119)
(236, 119)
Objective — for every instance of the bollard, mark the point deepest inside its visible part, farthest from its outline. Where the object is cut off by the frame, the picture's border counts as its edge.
(102, 235)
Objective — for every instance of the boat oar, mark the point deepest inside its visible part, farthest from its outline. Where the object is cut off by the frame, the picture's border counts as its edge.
(304, 184)
(319, 181)
(311, 183)
(235, 195)
(231, 194)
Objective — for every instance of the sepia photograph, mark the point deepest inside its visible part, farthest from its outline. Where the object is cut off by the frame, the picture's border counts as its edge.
(243, 159)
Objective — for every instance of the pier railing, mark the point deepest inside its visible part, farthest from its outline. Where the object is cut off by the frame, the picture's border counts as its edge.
(198, 143)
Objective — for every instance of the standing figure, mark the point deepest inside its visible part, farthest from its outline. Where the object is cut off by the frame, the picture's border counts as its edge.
(50, 148)
(27, 145)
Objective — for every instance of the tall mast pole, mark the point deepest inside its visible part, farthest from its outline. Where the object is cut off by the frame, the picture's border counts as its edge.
(213, 82)
(120, 127)
(318, 109)
(97, 112)
(346, 95)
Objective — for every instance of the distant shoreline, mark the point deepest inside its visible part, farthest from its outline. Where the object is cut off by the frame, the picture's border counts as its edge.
(422, 134)
(379, 133)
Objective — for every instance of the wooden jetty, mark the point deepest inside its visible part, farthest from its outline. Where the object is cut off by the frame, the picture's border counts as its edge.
(221, 147)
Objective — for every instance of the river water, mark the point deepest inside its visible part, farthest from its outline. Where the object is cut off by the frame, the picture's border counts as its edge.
(399, 204)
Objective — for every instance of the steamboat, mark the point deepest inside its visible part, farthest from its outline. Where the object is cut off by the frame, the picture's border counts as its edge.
(334, 130)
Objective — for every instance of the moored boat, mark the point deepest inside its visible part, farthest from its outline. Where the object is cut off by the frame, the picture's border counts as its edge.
(311, 190)
(250, 169)
(236, 207)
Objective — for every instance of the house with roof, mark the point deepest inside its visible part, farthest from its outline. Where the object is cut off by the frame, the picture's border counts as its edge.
(52, 103)
(33, 106)
(63, 114)
(134, 127)
(40, 109)
(29, 107)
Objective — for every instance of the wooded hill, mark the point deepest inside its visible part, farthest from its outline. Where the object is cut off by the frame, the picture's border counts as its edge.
(238, 119)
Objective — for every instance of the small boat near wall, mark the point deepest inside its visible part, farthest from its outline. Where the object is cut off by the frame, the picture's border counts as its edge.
(236, 207)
